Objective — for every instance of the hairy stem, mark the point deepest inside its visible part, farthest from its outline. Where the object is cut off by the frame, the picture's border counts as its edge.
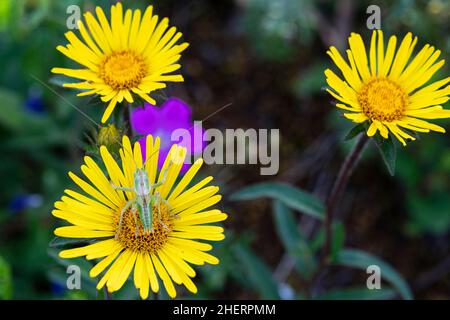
(339, 185)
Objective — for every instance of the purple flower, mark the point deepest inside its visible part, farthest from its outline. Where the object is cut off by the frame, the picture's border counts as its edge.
(162, 122)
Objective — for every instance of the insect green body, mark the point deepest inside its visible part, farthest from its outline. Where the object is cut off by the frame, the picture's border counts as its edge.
(144, 201)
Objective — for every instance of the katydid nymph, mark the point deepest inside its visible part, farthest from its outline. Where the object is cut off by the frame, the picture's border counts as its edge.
(145, 200)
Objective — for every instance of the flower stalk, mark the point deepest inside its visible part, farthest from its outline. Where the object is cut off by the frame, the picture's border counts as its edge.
(339, 185)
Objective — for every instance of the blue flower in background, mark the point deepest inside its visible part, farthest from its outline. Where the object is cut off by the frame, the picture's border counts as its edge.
(57, 288)
(24, 201)
(34, 102)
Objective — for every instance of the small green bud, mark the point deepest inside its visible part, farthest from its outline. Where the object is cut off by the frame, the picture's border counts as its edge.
(109, 137)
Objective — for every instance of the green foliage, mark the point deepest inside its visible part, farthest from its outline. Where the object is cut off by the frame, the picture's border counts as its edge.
(388, 152)
(310, 81)
(58, 242)
(355, 131)
(293, 241)
(274, 27)
(361, 260)
(292, 197)
(259, 274)
(337, 241)
(430, 213)
(5, 280)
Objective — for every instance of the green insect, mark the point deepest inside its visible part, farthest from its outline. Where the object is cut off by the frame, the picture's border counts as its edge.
(144, 201)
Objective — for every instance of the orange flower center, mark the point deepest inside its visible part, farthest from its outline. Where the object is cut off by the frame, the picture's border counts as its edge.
(382, 99)
(131, 233)
(123, 70)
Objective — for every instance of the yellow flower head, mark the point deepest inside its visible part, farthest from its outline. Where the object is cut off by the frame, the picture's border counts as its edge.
(387, 88)
(133, 53)
(102, 211)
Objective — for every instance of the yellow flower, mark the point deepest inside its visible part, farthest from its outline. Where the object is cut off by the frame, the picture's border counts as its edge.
(133, 54)
(164, 252)
(387, 91)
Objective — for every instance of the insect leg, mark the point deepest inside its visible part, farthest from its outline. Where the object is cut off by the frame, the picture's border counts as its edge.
(133, 212)
(158, 204)
(164, 177)
(169, 208)
(122, 212)
(166, 203)
(122, 188)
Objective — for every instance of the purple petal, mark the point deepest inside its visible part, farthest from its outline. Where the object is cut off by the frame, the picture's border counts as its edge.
(145, 120)
(175, 114)
(197, 143)
(172, 115)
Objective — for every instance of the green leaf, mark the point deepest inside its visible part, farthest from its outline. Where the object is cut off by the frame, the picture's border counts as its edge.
(337, 243)
(5, 280)
(361, 260)
(259, 274)
(358, 294)
(58, 242)
(388, 152)
(12, 115)
(356, 130)
(292, 197)
(295, 244)
(310, 80)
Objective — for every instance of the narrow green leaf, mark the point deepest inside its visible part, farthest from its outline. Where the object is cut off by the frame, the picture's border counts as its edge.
(388, 152)
(356, 130)
(361, 260)
(318, 241)
(12, 115)
(358, 294)
(286, 225)
(293, 241)
(292, 197)
(58, 242)
(258, 272)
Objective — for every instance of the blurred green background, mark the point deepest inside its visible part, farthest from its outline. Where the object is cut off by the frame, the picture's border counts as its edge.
(267, 58)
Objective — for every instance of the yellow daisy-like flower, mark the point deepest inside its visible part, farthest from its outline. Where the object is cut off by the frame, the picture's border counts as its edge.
(181, 219)
(133, 54)
(386, 89)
